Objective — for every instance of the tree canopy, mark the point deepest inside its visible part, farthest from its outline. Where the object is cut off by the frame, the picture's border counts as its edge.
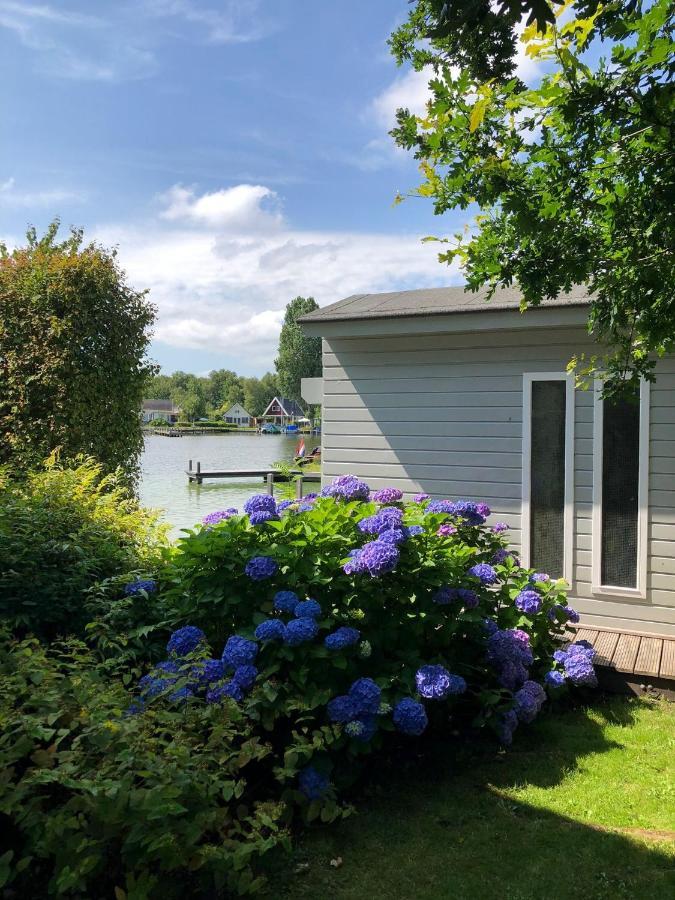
(299, 355)
(573, 176)
(214, 394)
(73, 342)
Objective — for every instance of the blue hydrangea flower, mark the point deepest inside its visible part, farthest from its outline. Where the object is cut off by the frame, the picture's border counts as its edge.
(529, 700)
(484, 573)
(262, 516)
(528, 602)
(208, 671)
(385, 518)
(501, 556)
(299, 631)
(135, 587)
(307, 608)
(152, 687)
(539, 576)
(218, 693)
(342, 709)
(185, 640)
(414, 530)
(490, 626)
(341, 638)
(554, 678)
(258, 568)
(260, 503)
(346, 487)
(578, 663)
(270, 630)
(375, 558)
(362, 729)
(220, 515)
(394, 535)
(181, 695)
(284, 505)
(509, 652)
(436, 683)
(441, 506)
(366, 696)
(387, 495)
(239, 651)
(507, 723)
(245, 676)
(168, 667)
(410, 717)
(312, 783)
(471, 513)
(285, 601)
(572, 614)
(446, 594)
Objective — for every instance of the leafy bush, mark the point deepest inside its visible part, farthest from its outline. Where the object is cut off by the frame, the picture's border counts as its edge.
(62, 530)
(159, 423)
(95, 803)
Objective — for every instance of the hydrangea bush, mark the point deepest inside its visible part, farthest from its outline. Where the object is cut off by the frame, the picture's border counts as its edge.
(363, 620)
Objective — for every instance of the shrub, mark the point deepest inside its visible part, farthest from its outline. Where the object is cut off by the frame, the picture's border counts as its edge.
(97, 803)
(62, 530)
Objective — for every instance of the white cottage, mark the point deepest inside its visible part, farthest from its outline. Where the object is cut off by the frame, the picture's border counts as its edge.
(237, 415)
(442, 392)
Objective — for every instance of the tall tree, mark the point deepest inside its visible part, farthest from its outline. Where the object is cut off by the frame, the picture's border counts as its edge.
(574, 177)
(299, 355)
(73, 342)
(258, 392)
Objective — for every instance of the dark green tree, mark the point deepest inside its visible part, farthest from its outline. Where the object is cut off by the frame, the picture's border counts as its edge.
(573, 177)
(299, 355)
(73, 342)
(259, 391)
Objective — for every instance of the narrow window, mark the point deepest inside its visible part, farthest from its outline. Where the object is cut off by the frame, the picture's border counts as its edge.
(548, 411)
(621, 442)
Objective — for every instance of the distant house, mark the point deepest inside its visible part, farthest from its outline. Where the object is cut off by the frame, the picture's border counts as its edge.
(159, 409)
(283, 411)
(441, 392)
(237, 415)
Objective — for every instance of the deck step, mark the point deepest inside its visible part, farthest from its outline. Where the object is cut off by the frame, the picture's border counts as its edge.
(648, 657)
(626, 653)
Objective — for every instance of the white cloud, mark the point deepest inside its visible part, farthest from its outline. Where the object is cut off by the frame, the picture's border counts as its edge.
(10, 196)
(245, 207)
(410, 90)
(225, 289)
(233, 22)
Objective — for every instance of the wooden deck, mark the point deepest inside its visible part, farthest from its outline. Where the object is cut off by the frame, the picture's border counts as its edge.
(636, 659)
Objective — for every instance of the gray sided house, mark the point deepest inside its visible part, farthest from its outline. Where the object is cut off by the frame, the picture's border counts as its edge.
(442, 392)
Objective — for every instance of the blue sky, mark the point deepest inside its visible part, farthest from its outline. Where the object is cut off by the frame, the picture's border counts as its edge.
(235, 151)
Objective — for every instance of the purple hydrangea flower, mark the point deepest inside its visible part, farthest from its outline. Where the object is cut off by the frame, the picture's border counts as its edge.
(507, 723)
(484, 573)
(135, 587)
(299, 631)
(260, 503)
(410, 717)
(446, 530)
(539, 576)
(572, 614)
(510, 653)
(528, 602)
(578, 663)
(220, 516)
(258, 568)
(436, 683)
(387, 495)
(285, 601)
(185, 640)
(270, 630)
(554, 679)
(500, 556)
(262, 516)
(421, 498)
(375, 558)
(239, 651)
(529, 700)
(500, 527)
(341, 638)
(385, 518)
(483, 510)
(312, 783)
(346, 487)
(307, 608)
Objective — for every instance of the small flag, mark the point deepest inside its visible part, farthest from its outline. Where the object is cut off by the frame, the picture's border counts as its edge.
(300, 449)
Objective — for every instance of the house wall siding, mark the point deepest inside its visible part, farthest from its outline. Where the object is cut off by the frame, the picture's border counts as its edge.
(442, 413)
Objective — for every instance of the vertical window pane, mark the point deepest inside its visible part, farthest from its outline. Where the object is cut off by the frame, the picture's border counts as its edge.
(620, 475)
(547, 477)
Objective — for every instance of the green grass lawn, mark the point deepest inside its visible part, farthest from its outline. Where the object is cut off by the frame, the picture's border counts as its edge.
(583, 805)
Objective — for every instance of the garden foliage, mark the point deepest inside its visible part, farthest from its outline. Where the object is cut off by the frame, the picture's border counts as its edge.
(63, 530)
(305, 638)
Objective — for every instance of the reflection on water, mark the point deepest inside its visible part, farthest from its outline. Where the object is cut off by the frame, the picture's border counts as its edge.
(164, 483)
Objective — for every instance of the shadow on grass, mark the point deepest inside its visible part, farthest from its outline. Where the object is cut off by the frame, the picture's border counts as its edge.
(445, 825)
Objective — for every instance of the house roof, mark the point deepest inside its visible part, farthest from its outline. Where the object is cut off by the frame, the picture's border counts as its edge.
(289, 407)
(163, 405)
(238, 406)
(432, 301)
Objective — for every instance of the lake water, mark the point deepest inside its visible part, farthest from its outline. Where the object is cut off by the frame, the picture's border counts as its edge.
(165, 485)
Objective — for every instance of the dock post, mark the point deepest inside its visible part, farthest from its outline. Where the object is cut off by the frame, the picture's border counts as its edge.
(298, 488)
(199, 469)
(189, 465)
(270, 483)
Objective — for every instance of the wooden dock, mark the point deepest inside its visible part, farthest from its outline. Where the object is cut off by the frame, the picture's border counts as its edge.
(269, 476)
(639, 662)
